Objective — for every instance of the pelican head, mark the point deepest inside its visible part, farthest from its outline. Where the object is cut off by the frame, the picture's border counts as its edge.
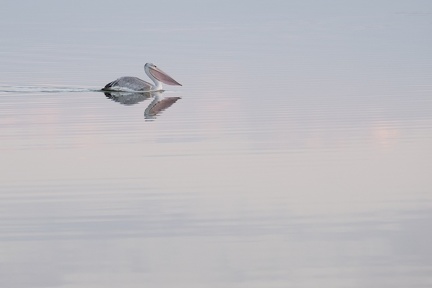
(158, 76)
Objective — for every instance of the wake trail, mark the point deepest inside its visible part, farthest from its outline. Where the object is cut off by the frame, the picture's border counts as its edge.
(45, 89)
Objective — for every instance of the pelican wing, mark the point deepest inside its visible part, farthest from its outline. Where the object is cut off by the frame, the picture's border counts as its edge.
(128, 84)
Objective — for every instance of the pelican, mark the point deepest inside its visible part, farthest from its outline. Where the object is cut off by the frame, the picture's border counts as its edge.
(131, 84)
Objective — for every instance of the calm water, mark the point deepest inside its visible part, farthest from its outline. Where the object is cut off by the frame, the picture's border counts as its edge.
(298, 155)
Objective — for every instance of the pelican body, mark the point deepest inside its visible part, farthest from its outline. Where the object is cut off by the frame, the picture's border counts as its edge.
(134, 84)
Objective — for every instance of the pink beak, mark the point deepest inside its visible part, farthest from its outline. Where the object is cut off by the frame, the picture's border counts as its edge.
(162, 76)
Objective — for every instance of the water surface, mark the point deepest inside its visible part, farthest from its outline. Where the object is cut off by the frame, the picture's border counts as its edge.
(296, 153)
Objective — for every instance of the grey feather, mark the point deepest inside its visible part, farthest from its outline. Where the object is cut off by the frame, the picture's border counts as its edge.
(128, 83)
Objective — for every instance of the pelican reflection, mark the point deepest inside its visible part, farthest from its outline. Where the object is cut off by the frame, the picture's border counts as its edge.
(153, 110)
(128, 98)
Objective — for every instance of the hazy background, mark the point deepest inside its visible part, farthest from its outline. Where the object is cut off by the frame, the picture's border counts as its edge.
(299, 154)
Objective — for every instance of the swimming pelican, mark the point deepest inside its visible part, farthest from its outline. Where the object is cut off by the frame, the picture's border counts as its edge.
(129, 83)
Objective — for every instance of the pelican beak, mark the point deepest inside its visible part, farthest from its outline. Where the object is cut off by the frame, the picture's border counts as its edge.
(162, 76)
